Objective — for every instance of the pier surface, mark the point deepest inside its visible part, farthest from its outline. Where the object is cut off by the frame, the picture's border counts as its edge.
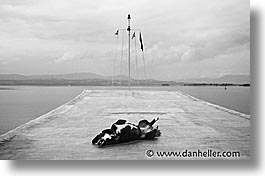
(186, 123)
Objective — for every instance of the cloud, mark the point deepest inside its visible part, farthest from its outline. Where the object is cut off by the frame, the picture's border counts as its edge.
(60, 32)
(68, 56)
(72, 56)
(218, 43)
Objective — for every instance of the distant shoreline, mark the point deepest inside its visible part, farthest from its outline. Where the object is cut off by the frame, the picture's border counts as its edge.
(92, 79)
(108, 84)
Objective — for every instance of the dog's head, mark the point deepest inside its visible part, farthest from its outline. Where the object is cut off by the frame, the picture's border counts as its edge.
(147, 129)
(145, 123)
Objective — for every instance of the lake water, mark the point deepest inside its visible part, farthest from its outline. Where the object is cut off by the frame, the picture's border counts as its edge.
(20, 104)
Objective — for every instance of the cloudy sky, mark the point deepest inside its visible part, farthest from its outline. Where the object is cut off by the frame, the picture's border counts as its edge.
(182, 38)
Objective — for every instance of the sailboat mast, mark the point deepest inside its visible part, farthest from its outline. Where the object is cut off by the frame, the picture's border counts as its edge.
(129, 50)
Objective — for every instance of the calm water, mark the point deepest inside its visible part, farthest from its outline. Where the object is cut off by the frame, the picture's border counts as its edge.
(236, 98)
(19, 104)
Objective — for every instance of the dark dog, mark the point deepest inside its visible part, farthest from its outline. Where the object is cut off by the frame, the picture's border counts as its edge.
(122, 131)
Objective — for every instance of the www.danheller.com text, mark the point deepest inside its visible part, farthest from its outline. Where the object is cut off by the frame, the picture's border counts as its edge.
(194, 154)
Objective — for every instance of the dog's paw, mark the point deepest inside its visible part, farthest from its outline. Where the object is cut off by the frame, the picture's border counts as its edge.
(158, 133)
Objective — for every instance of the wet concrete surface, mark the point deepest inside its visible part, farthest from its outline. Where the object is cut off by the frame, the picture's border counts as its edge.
(186, 123)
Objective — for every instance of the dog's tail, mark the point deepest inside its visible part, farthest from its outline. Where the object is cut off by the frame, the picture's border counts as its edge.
(154, 121)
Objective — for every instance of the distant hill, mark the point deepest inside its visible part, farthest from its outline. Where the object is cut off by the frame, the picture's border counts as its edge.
(12, 77)
(98, 80)
(70, 76)
(234, 79)
(117, 77)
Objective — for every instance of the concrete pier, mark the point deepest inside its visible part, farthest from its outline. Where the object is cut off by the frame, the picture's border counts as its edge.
(186, 123)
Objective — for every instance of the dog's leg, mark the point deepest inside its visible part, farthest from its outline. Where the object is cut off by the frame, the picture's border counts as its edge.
(95, 140)
(154, 121)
